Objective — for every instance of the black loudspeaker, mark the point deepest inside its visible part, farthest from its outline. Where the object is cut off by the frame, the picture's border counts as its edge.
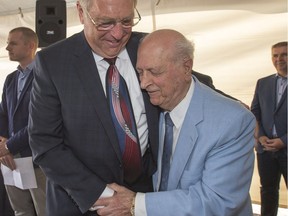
(50, 21)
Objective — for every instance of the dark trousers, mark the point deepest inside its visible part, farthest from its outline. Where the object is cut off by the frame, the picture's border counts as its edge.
(271, 165)
(5, 207)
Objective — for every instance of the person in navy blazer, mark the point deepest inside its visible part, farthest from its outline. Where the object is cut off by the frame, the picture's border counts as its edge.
(212, 160)
(269, 105)
(72, 135)
(14, 111)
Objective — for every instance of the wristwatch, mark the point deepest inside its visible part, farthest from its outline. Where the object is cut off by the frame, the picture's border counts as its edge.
(132, 209)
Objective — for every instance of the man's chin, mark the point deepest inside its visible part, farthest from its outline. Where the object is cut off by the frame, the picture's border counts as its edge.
(154, 101)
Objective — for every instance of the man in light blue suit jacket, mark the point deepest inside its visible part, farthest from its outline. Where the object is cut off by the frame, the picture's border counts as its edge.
(212, 160)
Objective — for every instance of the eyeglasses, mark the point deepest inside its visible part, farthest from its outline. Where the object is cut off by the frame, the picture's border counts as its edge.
(109, 24)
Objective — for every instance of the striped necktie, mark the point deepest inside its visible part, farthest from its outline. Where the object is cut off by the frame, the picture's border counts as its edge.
(123, 119)
(167, 152)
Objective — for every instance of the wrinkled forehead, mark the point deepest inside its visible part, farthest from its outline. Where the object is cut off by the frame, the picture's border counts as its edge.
(279, 50)
(115, 9)
(111, 4)
(16, 35)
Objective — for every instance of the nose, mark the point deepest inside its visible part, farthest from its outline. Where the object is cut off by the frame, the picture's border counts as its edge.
(118, 31)
(144, 80)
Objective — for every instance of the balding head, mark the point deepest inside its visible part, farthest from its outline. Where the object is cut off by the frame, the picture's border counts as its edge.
(170, 43)
(164, 64)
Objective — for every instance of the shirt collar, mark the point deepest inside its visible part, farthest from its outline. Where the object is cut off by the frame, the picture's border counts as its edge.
(123, 55)
(178, 113)
(281, 77)
(28, 68)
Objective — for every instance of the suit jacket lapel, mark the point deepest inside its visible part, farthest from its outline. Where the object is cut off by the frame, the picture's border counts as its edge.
(88, 74)
(182, 154)
(187, 138)
(156, 176)
(186, 141)
(26, 87)
(152, 112)
(282, 100)
(12, 91)
(273, 92)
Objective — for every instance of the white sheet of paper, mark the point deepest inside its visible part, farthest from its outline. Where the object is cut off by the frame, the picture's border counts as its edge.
(23, 176)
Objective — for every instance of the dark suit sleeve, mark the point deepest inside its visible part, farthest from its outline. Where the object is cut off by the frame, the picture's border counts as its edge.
(19, 141)
(58, 142)
(15, 120)
(3, 114)
(255, 106)
(256, 109)
(263, 107)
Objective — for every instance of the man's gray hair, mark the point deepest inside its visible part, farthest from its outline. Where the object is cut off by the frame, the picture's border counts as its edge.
(184, 48)
(87, 3)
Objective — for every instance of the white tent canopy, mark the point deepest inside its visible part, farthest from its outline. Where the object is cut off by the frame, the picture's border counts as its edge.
(232, 37)
(165, 6)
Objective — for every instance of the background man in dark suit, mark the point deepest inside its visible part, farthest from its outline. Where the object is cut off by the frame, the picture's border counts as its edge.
(22, 45)
(72, 133)
(269, 105)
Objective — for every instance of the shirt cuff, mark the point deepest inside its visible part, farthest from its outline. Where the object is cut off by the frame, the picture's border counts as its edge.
(108, 192)
(140, 205)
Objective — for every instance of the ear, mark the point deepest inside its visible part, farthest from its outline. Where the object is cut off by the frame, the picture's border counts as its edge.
(32, 45)
(188, 64)
(80, 12)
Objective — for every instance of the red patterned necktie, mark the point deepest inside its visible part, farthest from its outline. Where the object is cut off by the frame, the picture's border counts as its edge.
(123, 119)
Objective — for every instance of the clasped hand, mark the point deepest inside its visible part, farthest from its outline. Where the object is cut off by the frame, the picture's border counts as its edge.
(117, 205)
(272, 145)
(6, 158)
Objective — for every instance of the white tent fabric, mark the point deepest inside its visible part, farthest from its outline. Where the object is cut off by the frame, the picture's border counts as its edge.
(232, 38)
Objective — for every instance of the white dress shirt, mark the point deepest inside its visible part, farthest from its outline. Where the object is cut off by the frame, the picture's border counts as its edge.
(23, 76)
(126, 69)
